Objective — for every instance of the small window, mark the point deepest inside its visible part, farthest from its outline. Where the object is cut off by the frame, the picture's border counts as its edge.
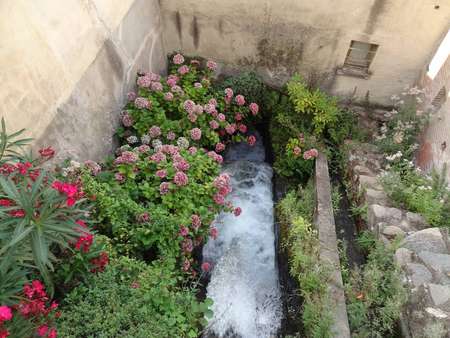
(359, 57)
(439, 99)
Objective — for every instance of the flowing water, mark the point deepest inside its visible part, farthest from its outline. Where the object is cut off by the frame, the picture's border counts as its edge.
(244, 279)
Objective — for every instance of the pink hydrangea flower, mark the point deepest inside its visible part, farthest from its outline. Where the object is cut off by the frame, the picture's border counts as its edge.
(168, 96)
(184, 231)
(93, 167)
(206, 267)
(220, 147)
(196, 134)
(180, 178)
(197, 85)
(251, 140)
(254, 108)
(228, 92)
(211, 65)
(222, 183)
(172, 80)
(183, 70)
(143, 148)
(187, 245)
(186, 265)
(127, 157)
(240, 100)
(198, 109)
(178, 59)
(131, 96)
(216, 157)
(158, 157)
(144, 81)
(192, 117)
(238, 117)
(243, 128)
(181, 165)
(143, 218)
(142, 103)
(161, 173)
(214, 124)
(189, 106)
(196, 221)
(156, 86)
(192, 150)
(209, 108)
(311, 153)
(119, 177)
(213, 102)
(237, 211)
(231, 128)
(171, 136)
(154, 131)
(297, 151)
(177, 89)
(221, 117)
(164, 188)
(127, 120)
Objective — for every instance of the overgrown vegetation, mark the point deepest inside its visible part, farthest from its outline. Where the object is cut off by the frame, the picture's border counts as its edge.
(375, 292)
(300, 240)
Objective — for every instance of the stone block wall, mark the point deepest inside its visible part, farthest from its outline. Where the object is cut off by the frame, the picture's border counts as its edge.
(424, 253)
(66, 67)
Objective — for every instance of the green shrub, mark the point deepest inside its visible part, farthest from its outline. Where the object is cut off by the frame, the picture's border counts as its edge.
(375, 293)
(132, 299)
(248, 84)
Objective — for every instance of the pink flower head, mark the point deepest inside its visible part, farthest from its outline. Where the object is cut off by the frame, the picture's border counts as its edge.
(209, 108)
(168, 96)
(297, 151)
(192, 117)
(198, 109)
(154, 131)
(251, 140)
(196, 134)
(119, 177)
(177, 89)
(240, 100)
(178, 59)
(142, 103)
(143, 148)
(314, 152)
(181, 165)
(230, 128)
(213, 232)
(237, 211)
(171, 136)
(5, 313)
(206, 267)
(186, 265)
(156, 86)
(222, 183)
(127, 120)
(216, 157)
(164, 188)
(47, 153)
(221, 117)
(197, 85)
(180, 178)
(196, 221)
(161, 173)
(144, 81)
(131, 96)
(127, 157)
(243, 128)
(184, 231)
(189, 106)
(254, 108)
(154, 76)
(229, 92)
(42, 330)
(192, 150)
(219, 199)
(158, 157)
(214, 124)
(238, 117)
(172, 80)
(213, 102)
(211, 65)
(183, 70)
(220, 147)
(187, 245)
(143, 218)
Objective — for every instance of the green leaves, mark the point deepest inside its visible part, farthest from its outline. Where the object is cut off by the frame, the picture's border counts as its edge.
(10, 146)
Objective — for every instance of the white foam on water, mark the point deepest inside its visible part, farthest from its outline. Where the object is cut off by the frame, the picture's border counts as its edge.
(244, 279)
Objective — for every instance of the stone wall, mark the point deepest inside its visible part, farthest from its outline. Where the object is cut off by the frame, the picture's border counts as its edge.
(424, 253)
(66, 67)
(280, 37)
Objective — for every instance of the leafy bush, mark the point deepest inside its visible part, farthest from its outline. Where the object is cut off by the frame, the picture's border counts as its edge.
(301, 241)
(132, 299)
(375, 293)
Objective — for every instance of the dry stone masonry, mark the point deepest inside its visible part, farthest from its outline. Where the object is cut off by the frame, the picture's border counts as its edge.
(424, 253)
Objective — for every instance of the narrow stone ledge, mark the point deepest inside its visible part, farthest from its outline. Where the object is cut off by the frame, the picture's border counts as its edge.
(324, 222)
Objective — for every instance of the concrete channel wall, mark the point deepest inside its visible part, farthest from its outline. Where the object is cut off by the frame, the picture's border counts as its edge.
(324, 222)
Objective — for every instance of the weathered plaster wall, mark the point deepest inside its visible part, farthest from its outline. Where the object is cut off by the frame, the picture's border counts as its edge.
(435, 147)
(65, 67)
(280, 37)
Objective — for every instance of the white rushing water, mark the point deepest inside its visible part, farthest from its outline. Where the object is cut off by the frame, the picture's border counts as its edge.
(244, 280)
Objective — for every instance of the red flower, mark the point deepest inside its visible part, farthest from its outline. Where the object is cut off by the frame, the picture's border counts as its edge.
(237, 211)
(23, 167)
(5, 313)
(48, 152)
(100, 262)
(206, 267)
(42, 330)
(251, 140)
(17, 213)
(53, 333)
(4, 333)
(5, 202)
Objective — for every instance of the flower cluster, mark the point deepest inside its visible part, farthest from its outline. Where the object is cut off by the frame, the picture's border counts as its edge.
(71, 191)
